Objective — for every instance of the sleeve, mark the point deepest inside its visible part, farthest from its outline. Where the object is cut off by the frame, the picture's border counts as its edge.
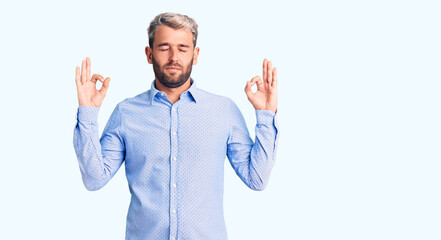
(253, 161)
(99, 160)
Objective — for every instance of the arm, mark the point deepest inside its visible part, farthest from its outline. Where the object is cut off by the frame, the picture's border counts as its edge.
(98, 160)
(253, 161)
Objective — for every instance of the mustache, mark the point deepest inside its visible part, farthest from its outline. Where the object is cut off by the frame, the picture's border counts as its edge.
(173, 65)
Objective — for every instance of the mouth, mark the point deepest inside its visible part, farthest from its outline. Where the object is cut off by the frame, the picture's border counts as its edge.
(172, 70)
(173, 67)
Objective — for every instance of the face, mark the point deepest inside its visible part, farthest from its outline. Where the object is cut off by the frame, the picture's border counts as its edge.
(172, 56)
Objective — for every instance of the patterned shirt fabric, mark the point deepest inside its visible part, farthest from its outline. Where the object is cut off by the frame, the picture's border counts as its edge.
(174, 159)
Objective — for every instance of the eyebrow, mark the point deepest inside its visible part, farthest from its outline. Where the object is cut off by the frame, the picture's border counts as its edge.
(180, 45)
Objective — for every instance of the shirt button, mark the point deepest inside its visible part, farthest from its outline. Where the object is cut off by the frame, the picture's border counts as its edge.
(173, 211)
(172, 238)
(174, 133)
(174, 158)
(174, 185)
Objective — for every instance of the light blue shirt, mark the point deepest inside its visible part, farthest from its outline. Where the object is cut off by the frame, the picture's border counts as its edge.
(174, 159)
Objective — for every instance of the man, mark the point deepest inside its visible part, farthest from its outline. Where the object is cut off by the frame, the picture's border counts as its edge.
(174, 139)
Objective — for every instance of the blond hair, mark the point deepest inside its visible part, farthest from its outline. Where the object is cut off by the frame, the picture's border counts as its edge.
(175, 21)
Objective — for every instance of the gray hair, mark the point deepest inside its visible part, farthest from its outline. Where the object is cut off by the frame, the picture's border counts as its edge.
(175, 21)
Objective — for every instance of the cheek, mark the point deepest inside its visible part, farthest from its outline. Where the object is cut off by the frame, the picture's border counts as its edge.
(160, 58)
(187, 58)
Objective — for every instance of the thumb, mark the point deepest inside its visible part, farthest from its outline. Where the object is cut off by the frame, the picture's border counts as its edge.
(253, 81)
(105, 86)
(248, 90)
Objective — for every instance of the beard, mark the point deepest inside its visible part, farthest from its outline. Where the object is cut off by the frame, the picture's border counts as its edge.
(174, 80)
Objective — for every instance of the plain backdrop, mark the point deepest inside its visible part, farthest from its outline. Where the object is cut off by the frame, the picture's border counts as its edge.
(359, 113)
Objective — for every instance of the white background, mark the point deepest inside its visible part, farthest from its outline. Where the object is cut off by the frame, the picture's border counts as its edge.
(359, 113)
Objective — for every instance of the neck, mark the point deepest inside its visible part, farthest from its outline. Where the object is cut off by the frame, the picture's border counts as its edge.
(173, 94)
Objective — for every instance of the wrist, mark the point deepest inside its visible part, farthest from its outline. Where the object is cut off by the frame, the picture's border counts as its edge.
(272, 109)
(88, 113)
(264, 116)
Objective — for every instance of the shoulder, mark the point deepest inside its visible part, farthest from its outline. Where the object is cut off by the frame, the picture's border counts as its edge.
(214, 99)
(132, 102)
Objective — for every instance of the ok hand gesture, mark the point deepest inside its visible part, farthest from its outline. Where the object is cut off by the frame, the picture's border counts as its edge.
(265, 98)
(88, 95)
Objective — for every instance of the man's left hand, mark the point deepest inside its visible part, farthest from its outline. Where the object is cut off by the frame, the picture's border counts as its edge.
(265, 98)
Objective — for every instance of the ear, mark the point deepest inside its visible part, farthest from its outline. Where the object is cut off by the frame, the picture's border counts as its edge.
(149, 53)
(195, 55)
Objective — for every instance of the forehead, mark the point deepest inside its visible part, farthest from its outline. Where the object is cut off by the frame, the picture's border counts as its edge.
(166, 34)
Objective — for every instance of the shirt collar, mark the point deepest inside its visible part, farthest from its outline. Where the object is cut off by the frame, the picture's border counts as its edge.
(193, 92)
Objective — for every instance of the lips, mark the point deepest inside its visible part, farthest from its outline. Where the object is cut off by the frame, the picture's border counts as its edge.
(173, 67)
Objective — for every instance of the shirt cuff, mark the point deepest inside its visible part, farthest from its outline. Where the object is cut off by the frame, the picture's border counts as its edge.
(265, 117)
(88, 114)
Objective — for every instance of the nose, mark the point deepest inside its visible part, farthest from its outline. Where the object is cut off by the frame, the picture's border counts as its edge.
(173, 55)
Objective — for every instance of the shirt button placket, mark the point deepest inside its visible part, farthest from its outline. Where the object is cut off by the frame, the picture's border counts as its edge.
(173, 167)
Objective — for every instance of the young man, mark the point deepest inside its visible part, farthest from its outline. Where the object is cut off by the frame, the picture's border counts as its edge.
(174, 139)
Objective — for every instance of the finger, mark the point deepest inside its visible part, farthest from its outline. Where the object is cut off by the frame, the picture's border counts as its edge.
(83, 72)
(105, 86)
(248, 90)
(274, 83)
(270, 73)
(97, 77)
(77, 76)
(265, 63)
(88, 67)
(258, 81)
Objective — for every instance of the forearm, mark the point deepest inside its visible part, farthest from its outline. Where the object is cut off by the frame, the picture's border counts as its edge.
(253, 161)
(87, 146)
(263, 151)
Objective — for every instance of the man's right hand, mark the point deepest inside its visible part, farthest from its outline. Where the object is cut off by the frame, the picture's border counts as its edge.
(88, 95)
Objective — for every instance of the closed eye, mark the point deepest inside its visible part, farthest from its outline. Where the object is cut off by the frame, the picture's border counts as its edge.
(183, 47)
